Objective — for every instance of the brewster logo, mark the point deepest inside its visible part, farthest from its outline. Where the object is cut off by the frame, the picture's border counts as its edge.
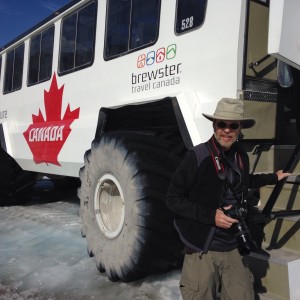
(46, 137)
(159, 56)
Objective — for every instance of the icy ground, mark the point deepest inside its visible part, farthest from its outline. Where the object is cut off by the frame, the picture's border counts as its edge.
(42, 256)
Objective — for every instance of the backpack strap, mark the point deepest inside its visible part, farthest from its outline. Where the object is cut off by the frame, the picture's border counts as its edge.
(201, 152)
(210, 149)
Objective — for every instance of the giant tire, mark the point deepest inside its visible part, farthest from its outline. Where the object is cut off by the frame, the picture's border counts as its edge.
(123, 184)
(16, 185)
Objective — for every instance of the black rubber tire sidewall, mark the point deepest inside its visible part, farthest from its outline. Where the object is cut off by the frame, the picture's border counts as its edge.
(147, 243)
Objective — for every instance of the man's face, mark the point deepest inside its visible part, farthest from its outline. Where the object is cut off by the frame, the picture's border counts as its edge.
(226, 132)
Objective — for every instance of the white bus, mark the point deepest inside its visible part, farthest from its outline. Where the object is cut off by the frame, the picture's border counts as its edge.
(113, 92)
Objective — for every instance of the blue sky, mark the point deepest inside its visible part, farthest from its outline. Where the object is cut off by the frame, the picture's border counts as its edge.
(17, 16)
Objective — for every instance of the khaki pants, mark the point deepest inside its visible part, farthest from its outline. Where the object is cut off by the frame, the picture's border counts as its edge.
(201, 277)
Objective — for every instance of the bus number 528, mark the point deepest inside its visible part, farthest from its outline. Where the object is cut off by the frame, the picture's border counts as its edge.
(187, 23)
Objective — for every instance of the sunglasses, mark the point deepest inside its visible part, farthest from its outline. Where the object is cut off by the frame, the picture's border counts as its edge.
(233, 126)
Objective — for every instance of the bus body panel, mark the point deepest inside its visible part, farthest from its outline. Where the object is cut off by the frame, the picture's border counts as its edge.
(283, 38)
(190, 76)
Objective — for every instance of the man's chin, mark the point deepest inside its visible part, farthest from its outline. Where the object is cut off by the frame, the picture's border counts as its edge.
(226, 144)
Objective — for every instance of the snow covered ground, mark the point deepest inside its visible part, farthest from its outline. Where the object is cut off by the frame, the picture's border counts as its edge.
(42, 256)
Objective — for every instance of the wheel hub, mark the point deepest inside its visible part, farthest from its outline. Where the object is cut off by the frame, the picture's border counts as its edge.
(109, 206)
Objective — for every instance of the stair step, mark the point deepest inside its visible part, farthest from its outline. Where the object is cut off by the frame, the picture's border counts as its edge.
(268, 296)
(276, 273)
(289, 197)
(275, 158)
(283, 233)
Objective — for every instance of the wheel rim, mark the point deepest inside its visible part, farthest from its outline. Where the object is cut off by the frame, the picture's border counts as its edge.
(109, 206)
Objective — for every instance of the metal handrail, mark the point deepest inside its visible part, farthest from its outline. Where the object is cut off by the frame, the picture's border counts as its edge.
(290, 167)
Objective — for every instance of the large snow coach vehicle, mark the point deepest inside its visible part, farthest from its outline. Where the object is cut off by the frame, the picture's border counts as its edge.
(113, 92)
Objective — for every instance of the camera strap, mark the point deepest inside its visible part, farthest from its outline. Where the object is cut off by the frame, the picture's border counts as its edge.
(216, 157)
(220, 163)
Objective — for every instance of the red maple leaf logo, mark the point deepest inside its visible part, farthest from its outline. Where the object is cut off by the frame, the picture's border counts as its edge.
(46, 137)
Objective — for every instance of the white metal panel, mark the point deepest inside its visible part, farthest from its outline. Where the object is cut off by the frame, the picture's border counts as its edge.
(294, 279)
(284, 33)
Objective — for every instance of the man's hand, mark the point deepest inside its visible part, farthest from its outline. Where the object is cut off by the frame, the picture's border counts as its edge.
(222, 220)
(282, 175)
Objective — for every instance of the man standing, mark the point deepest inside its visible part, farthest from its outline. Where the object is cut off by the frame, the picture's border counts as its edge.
(208, 194)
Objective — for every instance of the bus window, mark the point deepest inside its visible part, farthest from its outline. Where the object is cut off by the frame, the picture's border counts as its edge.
(190, 14)
(40, 56)
(0, 66)
(78, 39)
(130, 25)
(14, 69)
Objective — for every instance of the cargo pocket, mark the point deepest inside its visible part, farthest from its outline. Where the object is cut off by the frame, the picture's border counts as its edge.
(198, 279)
(189, 276)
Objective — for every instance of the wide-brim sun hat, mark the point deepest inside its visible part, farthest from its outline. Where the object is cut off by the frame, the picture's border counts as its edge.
(229, 109)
